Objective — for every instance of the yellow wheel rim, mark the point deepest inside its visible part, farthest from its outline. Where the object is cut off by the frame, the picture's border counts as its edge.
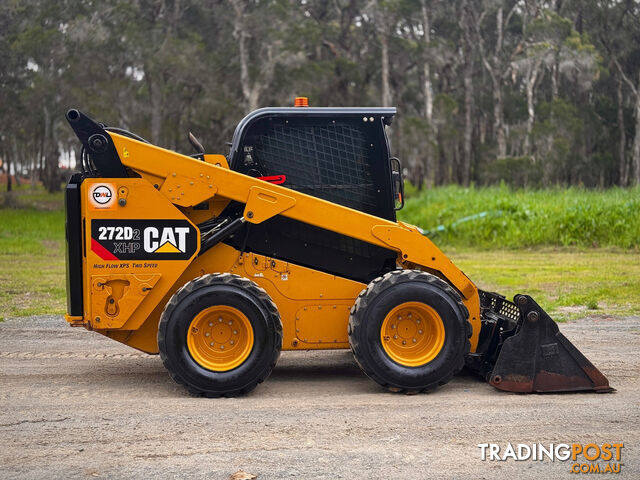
(412, 334)
(220, 338)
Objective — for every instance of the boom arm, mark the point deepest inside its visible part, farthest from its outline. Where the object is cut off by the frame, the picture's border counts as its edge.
(187, 182)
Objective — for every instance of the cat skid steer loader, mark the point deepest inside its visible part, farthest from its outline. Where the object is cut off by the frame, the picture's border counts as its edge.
(290, 242)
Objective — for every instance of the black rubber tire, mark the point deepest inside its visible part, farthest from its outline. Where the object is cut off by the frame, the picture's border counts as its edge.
(220, 289)
(373, 305)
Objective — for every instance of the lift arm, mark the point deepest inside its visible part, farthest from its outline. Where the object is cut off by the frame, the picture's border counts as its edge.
(186, 182)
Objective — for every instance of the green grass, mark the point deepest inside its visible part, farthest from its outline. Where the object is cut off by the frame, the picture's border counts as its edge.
(569, 282)
(498, 217)
(31, 254)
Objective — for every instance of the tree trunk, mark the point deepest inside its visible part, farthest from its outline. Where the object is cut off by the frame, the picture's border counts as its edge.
(427, 164)
(635, 155)
(623, 166)
(156, 101)
(251, 95)
(532, 76)
(428, 98)
(33, 174)
(251, 91)
(465, 23)
(386, 88)
(496, 77)
(498, 118)
(51, 177)
(495, 68)
(468, 124)
(8, 164)
(248, 93)
(428, 95)
(16, 170)
(555, 80)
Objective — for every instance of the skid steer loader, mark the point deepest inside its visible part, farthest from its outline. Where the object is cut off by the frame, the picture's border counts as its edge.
(289, 242)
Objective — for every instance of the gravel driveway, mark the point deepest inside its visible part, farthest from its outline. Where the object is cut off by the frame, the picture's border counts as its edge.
(78, 405)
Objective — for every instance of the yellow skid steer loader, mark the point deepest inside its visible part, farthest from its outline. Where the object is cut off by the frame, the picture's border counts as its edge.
(290, 242)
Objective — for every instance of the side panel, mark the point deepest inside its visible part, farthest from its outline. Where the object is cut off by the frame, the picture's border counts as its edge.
(136, 244)
(314, 306)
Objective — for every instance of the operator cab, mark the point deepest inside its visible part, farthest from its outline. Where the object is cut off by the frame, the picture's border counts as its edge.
(338, 154)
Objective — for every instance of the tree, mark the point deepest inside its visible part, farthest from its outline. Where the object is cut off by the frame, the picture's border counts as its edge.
(251, 20)
(481, 87)
(624, 18)
(552, 44)
(467, 51)
(497, 60)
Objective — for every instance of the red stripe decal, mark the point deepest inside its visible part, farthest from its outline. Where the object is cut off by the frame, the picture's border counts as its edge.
(275, 179)
(102, 252)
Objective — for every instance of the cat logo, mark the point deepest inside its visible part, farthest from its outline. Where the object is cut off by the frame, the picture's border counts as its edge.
(165, 240)
(129, 239)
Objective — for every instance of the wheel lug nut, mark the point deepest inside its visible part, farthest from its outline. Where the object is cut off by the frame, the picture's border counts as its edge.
(409, 315)
(235, 332)
(220, 319)
(221, 347)
(393, 326)
(211, 324)
(211, 344)
(399, 317)
(230, 322)
(418, 321)
(206, 334)
(420, 332)
(395, 337)
(231, 342)
(404, 342)
(414, 340)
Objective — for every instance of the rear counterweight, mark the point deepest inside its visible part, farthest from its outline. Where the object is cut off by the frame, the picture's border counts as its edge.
(73, 247)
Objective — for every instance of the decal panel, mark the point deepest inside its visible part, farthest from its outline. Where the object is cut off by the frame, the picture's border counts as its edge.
(143, 239)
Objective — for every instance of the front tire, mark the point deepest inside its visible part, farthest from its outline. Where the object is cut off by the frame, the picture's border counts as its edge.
(409, 331)
(220, 335)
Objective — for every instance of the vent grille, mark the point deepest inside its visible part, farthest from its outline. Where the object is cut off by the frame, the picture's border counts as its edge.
(499, 304)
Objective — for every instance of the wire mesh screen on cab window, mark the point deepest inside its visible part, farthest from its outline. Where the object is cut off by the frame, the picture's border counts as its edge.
(336, 160)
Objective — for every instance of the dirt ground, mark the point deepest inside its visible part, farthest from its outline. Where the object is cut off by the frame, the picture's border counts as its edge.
(77, 405)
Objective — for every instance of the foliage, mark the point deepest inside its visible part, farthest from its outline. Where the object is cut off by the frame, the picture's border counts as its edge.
(480, 86)
(519, 172)
(527, 218)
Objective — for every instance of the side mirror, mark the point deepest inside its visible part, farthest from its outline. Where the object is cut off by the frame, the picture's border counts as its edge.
(397, 183)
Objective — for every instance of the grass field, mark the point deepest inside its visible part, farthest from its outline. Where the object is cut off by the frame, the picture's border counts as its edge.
(32, 279)
(499, 217)
(570, 281)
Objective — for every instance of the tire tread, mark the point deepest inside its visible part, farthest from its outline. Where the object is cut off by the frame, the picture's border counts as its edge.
(371, 291)
(208, 280)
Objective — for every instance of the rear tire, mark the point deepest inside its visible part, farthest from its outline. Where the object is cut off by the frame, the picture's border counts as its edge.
(409, 331)
(220, 335)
